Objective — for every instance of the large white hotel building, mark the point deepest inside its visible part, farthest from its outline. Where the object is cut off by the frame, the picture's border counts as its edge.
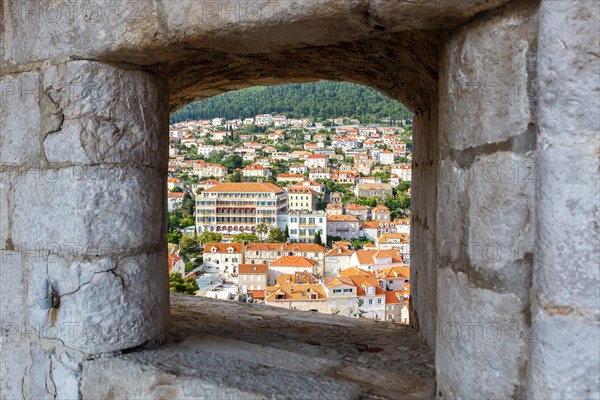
(232, 208)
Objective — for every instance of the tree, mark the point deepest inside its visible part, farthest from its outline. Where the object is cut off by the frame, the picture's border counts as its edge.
(245, 238)
(286, 234)
(359, 313)
(262, 229)
(317, 238)
(179, 284)
(174, 237)
(276, 235)
(209, 237)
(187, 245)
(232, 161)
(177, 189)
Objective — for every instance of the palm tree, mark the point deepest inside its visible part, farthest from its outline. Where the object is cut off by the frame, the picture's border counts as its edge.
(262, 229)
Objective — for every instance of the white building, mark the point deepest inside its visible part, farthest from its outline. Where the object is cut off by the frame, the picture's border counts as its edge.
(302, 226)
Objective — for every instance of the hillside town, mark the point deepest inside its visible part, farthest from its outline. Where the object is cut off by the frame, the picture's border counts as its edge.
(292, 213)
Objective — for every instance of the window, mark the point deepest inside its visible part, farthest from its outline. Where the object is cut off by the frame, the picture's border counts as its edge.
(337, 290)
(378, 301)
(347, 290)
(370, 301)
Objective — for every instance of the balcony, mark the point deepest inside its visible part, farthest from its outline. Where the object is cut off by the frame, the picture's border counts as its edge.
(228, 350)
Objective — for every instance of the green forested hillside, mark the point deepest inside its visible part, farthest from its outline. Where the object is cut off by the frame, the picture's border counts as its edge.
(319, 100)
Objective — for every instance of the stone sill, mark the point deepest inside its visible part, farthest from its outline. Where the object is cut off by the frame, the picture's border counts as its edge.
(226, 350)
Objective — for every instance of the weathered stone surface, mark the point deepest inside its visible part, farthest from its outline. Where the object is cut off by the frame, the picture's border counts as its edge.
(19, 118)
(486, 76)
(224, 349)
(473, 324)
(148, 32)
(12, 308)
(13, 365)
(111, 115)
(5, 193)
(424, 262)
(564, 361)
(98, 210)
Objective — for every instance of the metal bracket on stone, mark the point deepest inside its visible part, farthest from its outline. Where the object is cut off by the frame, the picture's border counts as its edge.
(49, 298)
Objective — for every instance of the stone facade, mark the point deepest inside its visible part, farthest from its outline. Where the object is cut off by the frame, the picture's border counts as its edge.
(504, 202)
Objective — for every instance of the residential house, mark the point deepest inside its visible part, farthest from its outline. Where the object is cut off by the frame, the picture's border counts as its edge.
(290, 265)
(300, 296)
(298, 169)
(396, 306)
(176, 264)
(387, 157)
(172, 183)
(344, 226)
(302, 226)
(374, 260)
(373, 190)
(381, 213)
(337, 259)
(290, 178)
(393, 278)
(223, 257)
(264, 253)
(256, 171)
(396, 241)
(374, 229)
(345, 177)
(316, 186)
(263, 120)
(319, 173)
(302, 199)
(253, 278)
(316, 161)
(174, 199)
(334, 209)
(360, 212)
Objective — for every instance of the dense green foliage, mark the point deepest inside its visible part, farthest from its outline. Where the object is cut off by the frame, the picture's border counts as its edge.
(179, 284)
(319, 100)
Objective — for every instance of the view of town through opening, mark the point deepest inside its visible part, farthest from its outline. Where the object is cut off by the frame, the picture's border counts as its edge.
(293, 196)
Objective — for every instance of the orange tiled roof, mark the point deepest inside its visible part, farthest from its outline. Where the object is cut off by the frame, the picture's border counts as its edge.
(355, 271)
(365, 281)
(244, 187)
(257, 294)
(334, 281)
(394, 272)
(339, 251)
(297, 247)
(342, 218)
(293, 261)
(295, 291)
(222, 247)
(369, 256)
(381, 208)
(251, 269)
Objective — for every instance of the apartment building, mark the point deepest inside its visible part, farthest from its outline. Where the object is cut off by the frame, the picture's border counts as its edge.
(223, 257)
(252, 278)
(373, 190)
(302, 199)
(238, 207)
(344, 226)
(264, 253)
(203, 169)
(303, 225)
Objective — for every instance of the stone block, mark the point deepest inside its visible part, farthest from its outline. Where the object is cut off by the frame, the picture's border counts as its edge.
(111, 115)
(485, 81)
(474, 324)
(13, 367)
(12, 300)
(94, 210)
(20, 118)
(5, 184)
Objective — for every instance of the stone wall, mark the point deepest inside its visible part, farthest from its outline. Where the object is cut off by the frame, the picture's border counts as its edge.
(486, 205)
(566, 293)
(82, 178)
(505, 210)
